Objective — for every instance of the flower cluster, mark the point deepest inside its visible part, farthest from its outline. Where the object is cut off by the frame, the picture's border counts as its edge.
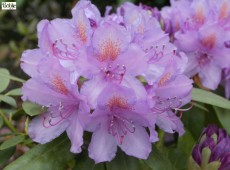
(201, 29)
(114, 76)
(212, 150)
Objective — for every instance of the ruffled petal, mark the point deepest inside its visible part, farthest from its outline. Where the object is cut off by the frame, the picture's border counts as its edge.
(133, 83)
(210, 76)
(170, 123)
(92, 89)
(38, 92)
(103, 145)
(41, 134)
(30, 60)
(137, 144)
(75, 134)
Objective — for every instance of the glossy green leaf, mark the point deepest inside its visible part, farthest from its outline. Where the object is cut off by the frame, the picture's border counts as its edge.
(207, 97)
(14, 92)
(11, 142)
(194, 120)
(51, 156)
(9, 100)
(6, 154)
(178, 158)
(83, 162)
(125, 162)
(4, 80)
(224, 117)
(158, 160)
(32, 109)
(186, 142)
(180, 154)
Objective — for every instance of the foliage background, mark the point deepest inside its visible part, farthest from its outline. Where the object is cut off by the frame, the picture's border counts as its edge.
(18, 33)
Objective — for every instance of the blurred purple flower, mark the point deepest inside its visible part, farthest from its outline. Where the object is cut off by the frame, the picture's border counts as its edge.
(201, 30)
(213, 146)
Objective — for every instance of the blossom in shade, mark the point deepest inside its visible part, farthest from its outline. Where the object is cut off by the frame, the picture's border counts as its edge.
(119, 120)
(212, 150)
(64, 108)
(201, 30)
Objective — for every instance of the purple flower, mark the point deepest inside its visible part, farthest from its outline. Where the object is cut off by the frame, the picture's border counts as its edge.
(119, 120)
(226, 80)
(170, 92)
(111, 54)
(64, 108)
(201, 30)
(112, 60)
(213, 146)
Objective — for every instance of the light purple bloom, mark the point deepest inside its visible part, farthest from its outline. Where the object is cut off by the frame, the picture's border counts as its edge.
(170, 92)
(112, 54)
(201, 30)
(111, 60)
(119, 120)
(64, 108)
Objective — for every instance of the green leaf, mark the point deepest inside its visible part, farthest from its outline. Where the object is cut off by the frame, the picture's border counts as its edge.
(4, 80)
(21, 27)
(158, 160)
(178, 158)
(194, 121)
(9, 100)
(125, 162)
(14, 92)
(1, 121)
(179, 155)
(224, 117)
(32, 109)
(210, 98)
(54, 155)
(6, 154)
(186, 142)
(83, 162)
(5, 77)
(11, 142)
(123, 1)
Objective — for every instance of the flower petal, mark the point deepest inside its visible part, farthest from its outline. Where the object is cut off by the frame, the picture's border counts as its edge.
(41, 134)
(137, 144)
(92, 90)
(103, 145)
(75, 133)
(30, 60)
(169, 122)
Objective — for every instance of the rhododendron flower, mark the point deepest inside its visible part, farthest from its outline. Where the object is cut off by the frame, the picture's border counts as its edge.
(111, 54)
(119, 120)
(65, 107)
(112, 61)
(200, 29)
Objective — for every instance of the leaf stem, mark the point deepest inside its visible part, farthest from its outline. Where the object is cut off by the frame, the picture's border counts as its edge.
(7, 122)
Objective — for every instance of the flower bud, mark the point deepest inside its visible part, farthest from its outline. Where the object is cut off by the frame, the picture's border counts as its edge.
(212, 152)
